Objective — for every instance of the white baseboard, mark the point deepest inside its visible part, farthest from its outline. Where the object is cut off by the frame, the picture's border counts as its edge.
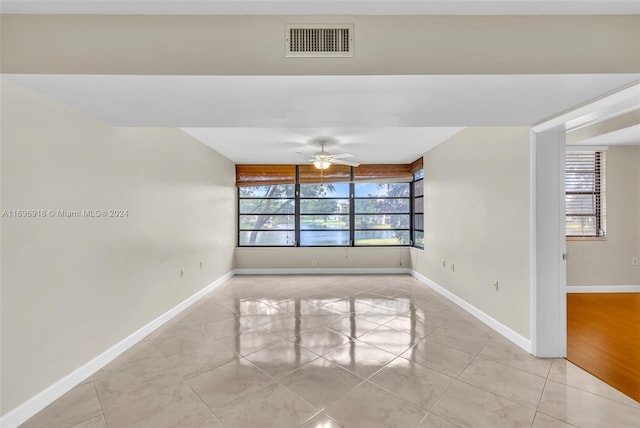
(41, 400)
(603, 288)
(496, 325)
(321, 271)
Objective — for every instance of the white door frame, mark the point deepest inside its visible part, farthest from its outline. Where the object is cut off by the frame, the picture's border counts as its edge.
(548, 243)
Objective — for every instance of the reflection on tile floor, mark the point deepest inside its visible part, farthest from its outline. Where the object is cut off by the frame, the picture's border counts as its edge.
(334, 351)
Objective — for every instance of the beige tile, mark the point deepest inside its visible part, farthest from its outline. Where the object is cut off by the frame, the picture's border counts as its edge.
(373, 314)
(544, 421)
(471, 341)
(352, 326)
(97, 422)
(505, 352)
(397, 305)
(513, 384)
(175, 406)
(253, 306)
(416, 326)
(435, 421)
(468, 406)
(137, 380)
(413, 382)
(219, 387)
(360, 358)
(321, 340)
(290, 326)
(369, 406)
(390, 340)
(78, 405)
(206, 313)
(442, 358)
(197, 358)
(562, 371)
(140, 354)
(364, 303)
(281, 358)
(342, 306)
(182, 337)
(321, 382)
(250, 341)
(585, 409)
(321, 421)
(275, 406)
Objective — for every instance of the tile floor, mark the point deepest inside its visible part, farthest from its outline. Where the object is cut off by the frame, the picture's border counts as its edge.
(334, 351)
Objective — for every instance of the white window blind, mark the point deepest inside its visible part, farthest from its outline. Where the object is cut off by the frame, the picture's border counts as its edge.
(585, 197)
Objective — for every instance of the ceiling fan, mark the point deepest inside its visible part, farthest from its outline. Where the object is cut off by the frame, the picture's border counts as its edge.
(323, 160)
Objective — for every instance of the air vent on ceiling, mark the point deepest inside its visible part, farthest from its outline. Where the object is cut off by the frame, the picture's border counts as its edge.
(319, 40)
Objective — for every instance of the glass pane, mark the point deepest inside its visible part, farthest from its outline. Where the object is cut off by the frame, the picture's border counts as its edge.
(418, 239)
(580, 182)
(381, 189)
(580, 161)
(264, 206)
(581, 226)
(267, 222)
(374, 206)
(324, 222)
(382, 222)
(580, 204)
(329, 190)
(322, 206)
(382, 237)
(418, 188)
(418, 174)
(328, 237)
(273, 191)
(269, 237)
(418, 222)
(418, 205)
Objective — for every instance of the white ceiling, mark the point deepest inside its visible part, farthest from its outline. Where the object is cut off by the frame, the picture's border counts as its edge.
(325, 7)
(266, 119)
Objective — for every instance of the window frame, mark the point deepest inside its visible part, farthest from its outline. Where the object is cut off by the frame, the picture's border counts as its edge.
(239, 214)
(407, 213)
(598, 194)
(299, 214)
(352, 228)
(418, 176)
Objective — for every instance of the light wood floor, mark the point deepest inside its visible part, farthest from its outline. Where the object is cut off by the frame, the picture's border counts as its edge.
(603, 337)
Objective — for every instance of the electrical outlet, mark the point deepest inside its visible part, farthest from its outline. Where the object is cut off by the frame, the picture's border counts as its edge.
(634, 261)
(495, 284)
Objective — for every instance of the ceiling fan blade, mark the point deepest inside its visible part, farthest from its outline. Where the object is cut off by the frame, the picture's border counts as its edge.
(344, 162)
(342, 155)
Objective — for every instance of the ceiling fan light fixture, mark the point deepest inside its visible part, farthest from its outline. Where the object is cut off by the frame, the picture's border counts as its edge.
(321, 164)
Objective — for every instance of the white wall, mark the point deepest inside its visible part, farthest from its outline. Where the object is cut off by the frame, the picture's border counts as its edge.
(608, 261)
(74, 287)
(254, 45)
(477, 217)
(333, 258)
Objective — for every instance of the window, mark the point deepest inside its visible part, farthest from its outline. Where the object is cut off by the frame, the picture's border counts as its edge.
(324, 214)
(418, 209)
(266, 215)
(382, 214)
(585, 177)
(288, 205)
